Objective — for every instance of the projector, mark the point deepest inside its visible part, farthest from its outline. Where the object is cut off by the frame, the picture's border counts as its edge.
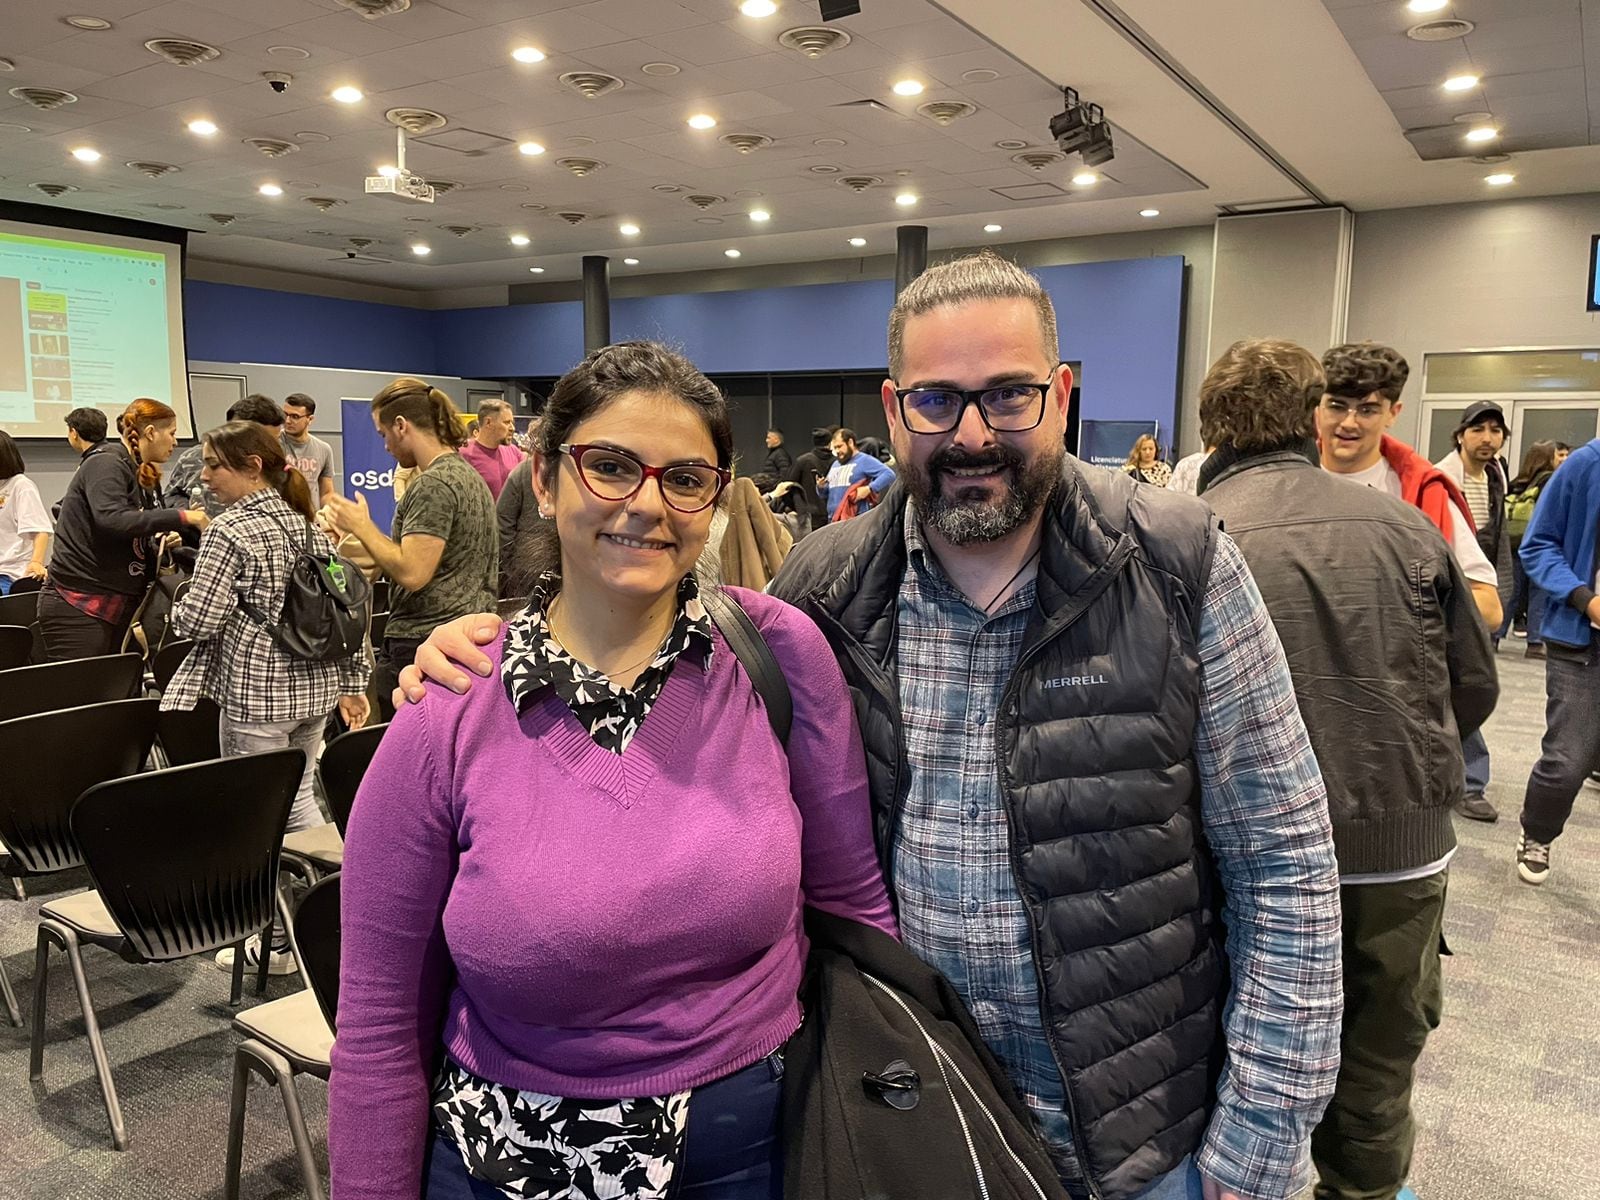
(402, 187)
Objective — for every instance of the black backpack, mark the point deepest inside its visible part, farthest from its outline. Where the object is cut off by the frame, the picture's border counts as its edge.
(326, 607)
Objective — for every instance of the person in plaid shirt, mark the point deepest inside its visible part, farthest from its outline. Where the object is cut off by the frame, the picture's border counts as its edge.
(1094, 799)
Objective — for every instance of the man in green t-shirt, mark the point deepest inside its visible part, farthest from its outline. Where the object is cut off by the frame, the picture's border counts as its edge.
(442, 558)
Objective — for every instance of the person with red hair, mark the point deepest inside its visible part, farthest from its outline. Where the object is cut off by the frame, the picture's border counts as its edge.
(106, 537)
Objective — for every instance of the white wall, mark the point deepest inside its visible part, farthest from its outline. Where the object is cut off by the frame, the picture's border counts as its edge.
(1472, 277)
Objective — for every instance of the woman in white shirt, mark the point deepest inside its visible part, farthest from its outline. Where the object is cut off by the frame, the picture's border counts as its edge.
(24, 524)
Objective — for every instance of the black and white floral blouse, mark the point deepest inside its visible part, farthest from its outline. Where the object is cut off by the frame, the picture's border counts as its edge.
(537, 1147)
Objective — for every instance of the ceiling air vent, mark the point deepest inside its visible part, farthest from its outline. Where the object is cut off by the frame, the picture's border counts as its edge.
(859, 183)
(324, 202)
(704, 200)
(1440, 31)
(581, 166)
(153, 169)
(7, 65)
(441, 186)
(460, 231)
(573, 218)
(222, 218)
(359, 243)
(814, 40)
(181, 51)
(1039, 159)
(43, 98)
(53, 189)
(945, 111)
(272, 147)
(744, 143)
(591, 84)
(823, 169)
(416, 120)
(376, 8)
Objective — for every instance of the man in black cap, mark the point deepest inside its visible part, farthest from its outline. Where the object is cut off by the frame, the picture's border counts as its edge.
(813, 463)
(1475, 467)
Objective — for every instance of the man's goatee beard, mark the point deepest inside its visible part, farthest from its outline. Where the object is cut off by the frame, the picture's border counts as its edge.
(963, 521)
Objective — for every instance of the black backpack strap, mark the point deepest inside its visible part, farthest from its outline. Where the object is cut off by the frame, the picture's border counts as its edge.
(753, 653)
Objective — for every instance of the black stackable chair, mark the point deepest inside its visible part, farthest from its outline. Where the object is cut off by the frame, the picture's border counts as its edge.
(16, 646)
(292, 1036)
(176, 874)
(168, 659)
(186, 735)
(60, 754)
(25, 691)
(344, 761)
(19, 608)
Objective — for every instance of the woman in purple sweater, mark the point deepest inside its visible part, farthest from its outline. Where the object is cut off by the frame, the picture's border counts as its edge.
(572, 902)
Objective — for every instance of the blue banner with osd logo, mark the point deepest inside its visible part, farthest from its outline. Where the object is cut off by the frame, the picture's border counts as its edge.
(368, 467)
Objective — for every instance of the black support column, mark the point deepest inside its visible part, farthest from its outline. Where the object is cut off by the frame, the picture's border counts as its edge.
(596, 302)
(910, 254)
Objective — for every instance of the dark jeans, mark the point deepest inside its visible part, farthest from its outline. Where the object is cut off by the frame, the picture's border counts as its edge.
(1392, 1001)
(394, 656)
(1571, 746)
(69, 633)
(732, 1149)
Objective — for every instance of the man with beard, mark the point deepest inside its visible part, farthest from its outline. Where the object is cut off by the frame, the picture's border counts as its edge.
(1085, 757)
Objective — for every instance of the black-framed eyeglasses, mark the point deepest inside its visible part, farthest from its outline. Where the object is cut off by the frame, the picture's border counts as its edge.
(1005, 408)
(616, 475)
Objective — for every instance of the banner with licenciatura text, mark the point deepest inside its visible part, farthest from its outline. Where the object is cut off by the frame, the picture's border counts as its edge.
(1106, 443)
(368, 467)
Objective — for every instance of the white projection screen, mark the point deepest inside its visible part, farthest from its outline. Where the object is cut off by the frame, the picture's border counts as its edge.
(87, 320)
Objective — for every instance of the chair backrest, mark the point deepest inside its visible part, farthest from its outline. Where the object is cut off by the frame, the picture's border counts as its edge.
(344, 762)
(186, 860)
(380, 595)
(26, 691)
(190, 736)
(168, 659)
(50, 759)
(316, 932)
(380, 622)
(19, 608)
(16, 646)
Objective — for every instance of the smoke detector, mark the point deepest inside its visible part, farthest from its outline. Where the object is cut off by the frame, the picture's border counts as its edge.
(43, 98)
(573, 218)
(591, 84)
(155, 170)
(1039, 159)
(416, 120)
(859, 183)
(945, 111)
(53, 189)
(744, 143)
(272, 147)
(704, 200)
(814, 40)
(581, 166)
(181, 51)
(372, 9)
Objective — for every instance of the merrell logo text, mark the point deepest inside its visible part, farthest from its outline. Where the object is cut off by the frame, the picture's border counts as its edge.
(1075, 681)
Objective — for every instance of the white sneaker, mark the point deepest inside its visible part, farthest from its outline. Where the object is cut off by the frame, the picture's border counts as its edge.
(1533, 860)
(280, 963)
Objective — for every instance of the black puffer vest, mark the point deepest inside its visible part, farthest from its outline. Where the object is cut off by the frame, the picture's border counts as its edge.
(1096, 766)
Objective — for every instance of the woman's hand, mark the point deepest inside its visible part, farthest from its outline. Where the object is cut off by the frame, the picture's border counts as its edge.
(354, 710)
(195, 517)
(34, 570)
(449, 648)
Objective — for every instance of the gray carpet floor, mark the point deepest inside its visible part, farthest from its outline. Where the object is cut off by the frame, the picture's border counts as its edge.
(1508, 1094)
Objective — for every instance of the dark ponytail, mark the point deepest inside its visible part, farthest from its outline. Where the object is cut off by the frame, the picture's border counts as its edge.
(421, 405)
(237, 442)
(140, 415)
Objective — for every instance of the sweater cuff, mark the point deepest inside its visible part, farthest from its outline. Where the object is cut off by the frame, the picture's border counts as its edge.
(1580, 598)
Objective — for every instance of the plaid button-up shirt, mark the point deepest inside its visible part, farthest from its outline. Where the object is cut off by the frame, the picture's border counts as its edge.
(1265, 817)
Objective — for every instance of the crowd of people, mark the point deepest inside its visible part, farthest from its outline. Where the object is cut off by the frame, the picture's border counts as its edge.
(1076, 742)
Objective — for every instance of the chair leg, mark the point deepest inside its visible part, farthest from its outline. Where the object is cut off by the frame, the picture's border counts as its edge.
(17, 888)
(41, 977)
(97, 1047)
(236, 1106)
(287, 918)
(254, 1056)
(10, 997)
(236, 990)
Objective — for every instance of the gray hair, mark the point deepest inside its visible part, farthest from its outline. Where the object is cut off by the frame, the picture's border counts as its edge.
(981, 276)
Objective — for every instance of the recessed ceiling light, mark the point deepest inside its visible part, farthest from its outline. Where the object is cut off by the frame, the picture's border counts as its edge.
(1149, 212)
(991, 228)
(758, 8)
(908, 87)
(270, 189)
(531, 148)
(1484, 133)
(906, 199)
(536, 270)
(203, 127)
(760, 214)
(731, 253)
(702, 121)
(86, 154)
(347, 94)
(389, 171)
(858, 241)
(628, 229)
(89, 24)
(1427, 6)
(1085, 178)
(520, 239)
(421, 249)
(1499, 179)
(630, 262)
(528, 54)
(1460, 83)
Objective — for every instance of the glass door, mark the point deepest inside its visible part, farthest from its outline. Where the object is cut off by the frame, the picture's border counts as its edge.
(1571, 421)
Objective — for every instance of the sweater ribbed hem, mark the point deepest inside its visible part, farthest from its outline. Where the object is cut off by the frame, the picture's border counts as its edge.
(1394, 842)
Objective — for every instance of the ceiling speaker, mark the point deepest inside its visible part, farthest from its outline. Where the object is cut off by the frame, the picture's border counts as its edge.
(832, 10)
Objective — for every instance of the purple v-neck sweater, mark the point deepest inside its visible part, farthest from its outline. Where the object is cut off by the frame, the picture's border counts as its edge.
(561, 919)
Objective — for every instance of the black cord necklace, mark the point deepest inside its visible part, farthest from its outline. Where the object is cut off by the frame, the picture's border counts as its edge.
(988, 609)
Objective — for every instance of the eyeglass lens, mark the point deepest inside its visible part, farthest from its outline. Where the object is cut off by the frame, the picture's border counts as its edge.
(614, 476)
